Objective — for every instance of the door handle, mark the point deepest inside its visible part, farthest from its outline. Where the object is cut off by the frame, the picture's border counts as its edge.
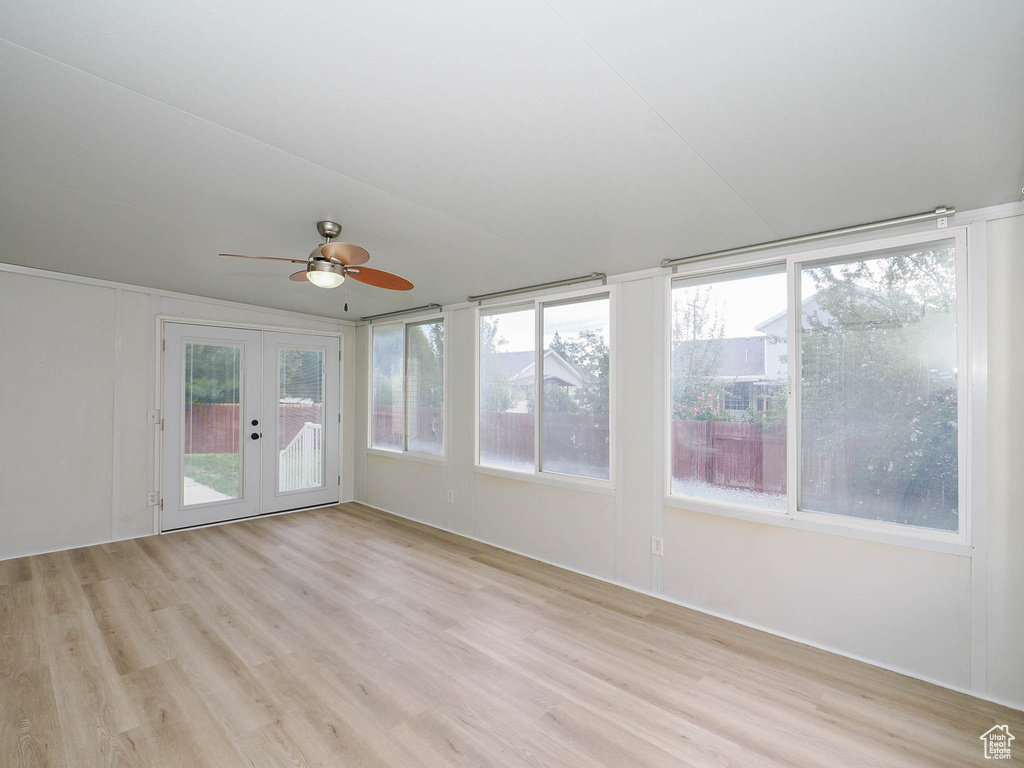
(255, 435)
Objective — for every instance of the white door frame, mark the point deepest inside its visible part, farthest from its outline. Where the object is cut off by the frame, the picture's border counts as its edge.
(159, 446)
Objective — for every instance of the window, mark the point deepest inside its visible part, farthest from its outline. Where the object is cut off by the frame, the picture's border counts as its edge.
(424, 374)
(407, 412)
(388, 413)
(560, 422)
(737, 398)
(878, 387)
(300, 418)
(871, 433)
(508, 341)
(574, 437)
(728, 336)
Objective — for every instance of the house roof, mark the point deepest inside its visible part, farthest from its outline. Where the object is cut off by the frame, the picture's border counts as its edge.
(519, 366)
(810, 304)
(513, 363)
(743, 356)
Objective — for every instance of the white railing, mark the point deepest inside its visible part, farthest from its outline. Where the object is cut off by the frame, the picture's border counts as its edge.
(300, 465)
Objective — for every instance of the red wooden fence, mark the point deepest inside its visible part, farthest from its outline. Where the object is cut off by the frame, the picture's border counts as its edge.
(508, 436)
(386, 426)
(213, 427)
(720, 453)
(575, 444)
(729, 455)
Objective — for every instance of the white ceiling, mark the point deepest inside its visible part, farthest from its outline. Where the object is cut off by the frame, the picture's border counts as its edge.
(477, 146)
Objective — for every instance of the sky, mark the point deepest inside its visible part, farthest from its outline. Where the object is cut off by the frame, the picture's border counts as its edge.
(742, 304)
(568, 319)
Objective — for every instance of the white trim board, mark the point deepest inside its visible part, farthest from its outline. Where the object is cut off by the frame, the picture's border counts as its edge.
(178, 530)
(803, 641)
(99, 543)
(70, 278)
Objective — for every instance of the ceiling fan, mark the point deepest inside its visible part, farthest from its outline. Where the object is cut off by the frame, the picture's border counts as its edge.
(330, 263)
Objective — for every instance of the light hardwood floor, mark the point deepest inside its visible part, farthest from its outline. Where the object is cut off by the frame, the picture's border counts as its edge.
(347, 637)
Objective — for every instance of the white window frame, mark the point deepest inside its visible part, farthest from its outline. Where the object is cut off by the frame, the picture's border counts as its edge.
(539, 475)
(969, 437)
(428, 458)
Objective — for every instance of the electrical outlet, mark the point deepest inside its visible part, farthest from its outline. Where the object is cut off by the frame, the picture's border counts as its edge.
(153, 498)
(451, 496)
(657, 546)
(942, 223)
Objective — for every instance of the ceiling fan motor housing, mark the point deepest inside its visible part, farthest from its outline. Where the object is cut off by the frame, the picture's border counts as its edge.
(328, 229)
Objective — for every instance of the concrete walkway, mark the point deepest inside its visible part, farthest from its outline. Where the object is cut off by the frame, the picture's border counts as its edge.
(197, 493)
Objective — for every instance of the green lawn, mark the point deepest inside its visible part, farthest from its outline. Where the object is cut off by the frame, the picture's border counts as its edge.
(216, 470)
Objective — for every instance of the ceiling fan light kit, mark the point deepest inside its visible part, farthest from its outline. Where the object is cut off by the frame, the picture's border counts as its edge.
(329, 263)
(325, 274)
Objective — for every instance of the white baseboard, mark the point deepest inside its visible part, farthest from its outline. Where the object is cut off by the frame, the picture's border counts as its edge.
(75, 546)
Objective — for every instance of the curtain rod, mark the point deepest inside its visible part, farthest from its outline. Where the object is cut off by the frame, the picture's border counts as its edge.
(424, 308)
(941, 212)
(540, 286)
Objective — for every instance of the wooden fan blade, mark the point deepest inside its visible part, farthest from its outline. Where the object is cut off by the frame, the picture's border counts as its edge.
(345, 253)
(298, 277)
(264, 258)
(379, 278)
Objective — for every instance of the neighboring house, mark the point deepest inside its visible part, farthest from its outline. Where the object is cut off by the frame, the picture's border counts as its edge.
(743, 369)
(520, 369)
(752, 365)
(775, 329)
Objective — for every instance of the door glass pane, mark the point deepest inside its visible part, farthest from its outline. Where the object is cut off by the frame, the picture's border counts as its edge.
(424, 376)
(728, 389)
(574, 438)
(386, 421)
(878, 397)
(300, 418)
(211, 466)
(507, 344)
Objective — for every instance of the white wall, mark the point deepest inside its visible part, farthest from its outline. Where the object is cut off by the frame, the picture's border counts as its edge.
(904, 608)
(1005, 571)
(77, 375)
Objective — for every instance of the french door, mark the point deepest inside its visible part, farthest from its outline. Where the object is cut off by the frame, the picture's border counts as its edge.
(250, 423)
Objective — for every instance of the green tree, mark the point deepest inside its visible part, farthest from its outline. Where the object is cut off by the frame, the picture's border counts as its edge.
(426, 364)
(212, 373)
(387, 365)
(588, 353)
(878, 360)
(495, 391)
(698, 392)
(301, 374)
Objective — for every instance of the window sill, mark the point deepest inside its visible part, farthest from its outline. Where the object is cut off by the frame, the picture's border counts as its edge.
(601, 487)
(900, 538)
(419, 458)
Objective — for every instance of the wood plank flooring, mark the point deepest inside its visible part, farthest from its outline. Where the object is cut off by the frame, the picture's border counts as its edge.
(347, 637)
